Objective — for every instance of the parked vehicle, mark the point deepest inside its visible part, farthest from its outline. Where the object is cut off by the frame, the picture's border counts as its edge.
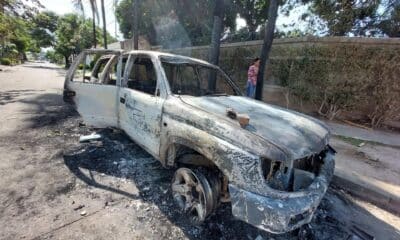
(274, 167)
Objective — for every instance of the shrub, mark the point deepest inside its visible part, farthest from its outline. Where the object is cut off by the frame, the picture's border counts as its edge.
(344, 78)
(87, 66)
(5, 61)
(334, 77)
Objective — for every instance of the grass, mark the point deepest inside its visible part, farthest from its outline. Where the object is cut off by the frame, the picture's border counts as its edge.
(355, 141)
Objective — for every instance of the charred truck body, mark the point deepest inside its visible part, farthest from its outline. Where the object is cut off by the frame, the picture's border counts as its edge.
(274, 168)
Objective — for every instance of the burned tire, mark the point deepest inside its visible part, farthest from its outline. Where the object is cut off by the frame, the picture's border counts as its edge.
(195, 194)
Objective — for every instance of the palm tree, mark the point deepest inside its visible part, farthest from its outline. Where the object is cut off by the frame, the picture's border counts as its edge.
(95, 14)
(104, 24)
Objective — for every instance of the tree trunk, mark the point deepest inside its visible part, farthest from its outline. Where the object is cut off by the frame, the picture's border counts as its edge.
(104, 24)
(266, 48)
(135, 30)
(94, 29)
(66, 61)
(252, 32)
(215, 41)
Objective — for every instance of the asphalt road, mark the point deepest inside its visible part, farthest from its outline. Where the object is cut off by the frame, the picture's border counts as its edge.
(53, 187)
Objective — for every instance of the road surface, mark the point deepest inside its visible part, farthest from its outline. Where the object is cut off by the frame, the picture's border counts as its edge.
(53, 187)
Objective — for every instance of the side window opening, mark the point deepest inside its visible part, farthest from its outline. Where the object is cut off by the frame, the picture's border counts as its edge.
(188, 83)
(110, 77)
(142, 76)
(194, 80)
(221, 85)
(98, 70)
(92, 67)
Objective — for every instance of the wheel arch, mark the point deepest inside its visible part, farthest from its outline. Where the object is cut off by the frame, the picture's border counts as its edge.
(179, 147)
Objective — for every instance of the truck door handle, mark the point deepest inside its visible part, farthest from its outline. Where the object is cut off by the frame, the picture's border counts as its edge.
(122, 100)
(69, 93)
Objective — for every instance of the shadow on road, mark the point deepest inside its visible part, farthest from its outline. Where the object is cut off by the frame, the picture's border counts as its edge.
(47, 110)
(12, 96)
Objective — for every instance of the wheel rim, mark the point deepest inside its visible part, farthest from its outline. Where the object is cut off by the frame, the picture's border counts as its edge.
(190, 193)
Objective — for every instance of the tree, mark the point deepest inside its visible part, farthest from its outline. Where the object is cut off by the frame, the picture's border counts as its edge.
(72, 36)
(54, 57)
(346, 16)
(42, 29)
(14, 32)
(15, 20)
(391, 25)
(20, 8)
(104, 24)
(267, 44)
(172, 22)
(95, 14)
(253, 12)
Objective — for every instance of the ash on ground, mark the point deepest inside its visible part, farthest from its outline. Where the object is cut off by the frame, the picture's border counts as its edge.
(117, 156)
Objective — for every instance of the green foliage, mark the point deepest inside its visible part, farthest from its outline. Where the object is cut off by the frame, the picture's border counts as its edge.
(342, 16)
(20, 8)
(5, 61)
(73, 35)
(343, 78)
(42, 29)
(170, 23)
(15, 22)
(359, 18)
(14, 35)
(254, 13)
(54, 57)
(391, 25)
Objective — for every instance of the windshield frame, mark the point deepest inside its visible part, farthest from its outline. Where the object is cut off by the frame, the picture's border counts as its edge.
(195, 63)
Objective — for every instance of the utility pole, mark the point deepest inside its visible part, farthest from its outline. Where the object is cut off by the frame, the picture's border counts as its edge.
(104, 24)
(135, 24)
(266, 48)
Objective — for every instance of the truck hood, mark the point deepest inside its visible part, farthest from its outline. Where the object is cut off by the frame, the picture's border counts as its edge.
(294, 133)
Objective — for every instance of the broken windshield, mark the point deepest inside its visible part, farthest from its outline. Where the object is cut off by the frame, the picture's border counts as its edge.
(190, 78)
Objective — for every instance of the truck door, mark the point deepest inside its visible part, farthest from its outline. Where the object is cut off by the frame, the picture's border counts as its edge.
(140, 104)
(94, 99)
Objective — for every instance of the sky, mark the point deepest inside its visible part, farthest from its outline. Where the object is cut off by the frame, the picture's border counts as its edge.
(66, 6)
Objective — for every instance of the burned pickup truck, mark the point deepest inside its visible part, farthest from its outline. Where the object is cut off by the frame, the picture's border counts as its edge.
(272, 164)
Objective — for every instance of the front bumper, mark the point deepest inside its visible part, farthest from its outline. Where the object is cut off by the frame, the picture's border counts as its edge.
(282, 212)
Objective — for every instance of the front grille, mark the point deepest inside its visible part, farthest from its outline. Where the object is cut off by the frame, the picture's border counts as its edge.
(293, 175)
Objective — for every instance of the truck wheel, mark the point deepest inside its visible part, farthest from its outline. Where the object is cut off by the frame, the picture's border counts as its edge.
(194, 194)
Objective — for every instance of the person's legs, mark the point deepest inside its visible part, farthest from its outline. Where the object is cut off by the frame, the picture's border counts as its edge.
(253, 90)
(248, 89)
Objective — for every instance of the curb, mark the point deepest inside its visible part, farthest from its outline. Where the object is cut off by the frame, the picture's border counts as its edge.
(368, 192)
